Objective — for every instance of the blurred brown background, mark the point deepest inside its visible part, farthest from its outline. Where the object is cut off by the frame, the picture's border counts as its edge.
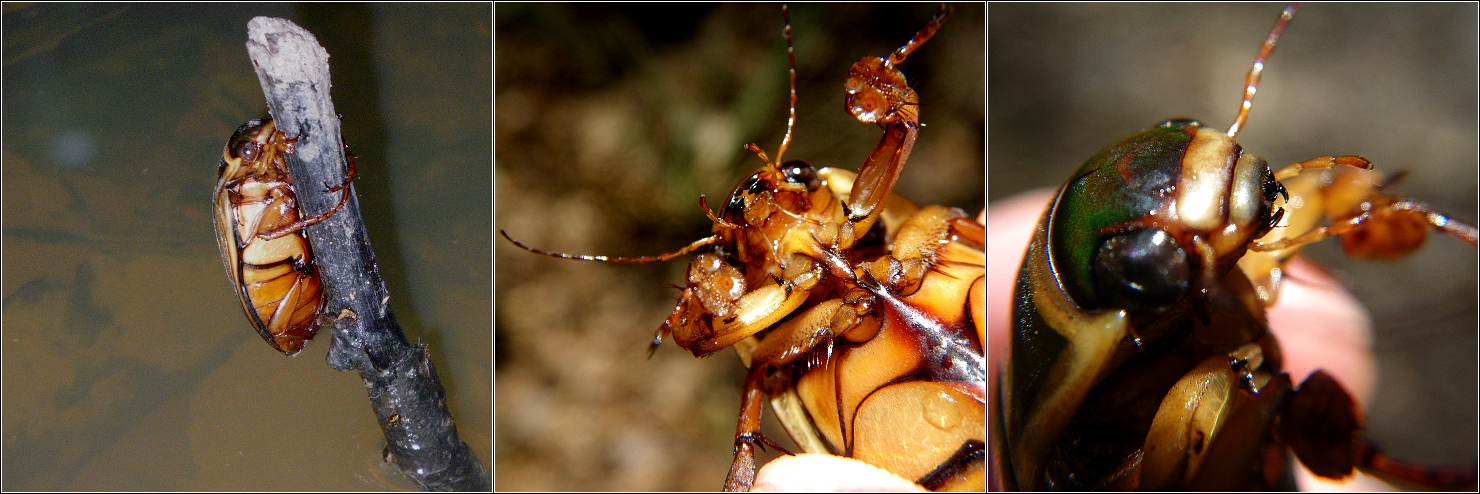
(1393, 83)
(610, 121)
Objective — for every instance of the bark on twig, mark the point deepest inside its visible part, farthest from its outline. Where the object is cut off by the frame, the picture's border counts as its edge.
(404, 390)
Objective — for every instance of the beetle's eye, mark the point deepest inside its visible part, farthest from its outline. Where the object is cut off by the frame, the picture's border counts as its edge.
(1273, 189)
(246, 150)
(801, 172)
(1141, 270)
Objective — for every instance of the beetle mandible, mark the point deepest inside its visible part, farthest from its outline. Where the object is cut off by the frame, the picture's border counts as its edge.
(259, 230)
(1462, 231)
(787, 241)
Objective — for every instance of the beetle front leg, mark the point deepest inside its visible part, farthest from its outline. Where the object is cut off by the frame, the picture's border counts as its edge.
(761, 308)
(715, 311)
(877, 92)
(1389, 214)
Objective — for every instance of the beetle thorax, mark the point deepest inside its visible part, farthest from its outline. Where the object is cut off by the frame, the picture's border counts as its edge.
(1221, 192)
(779, 212)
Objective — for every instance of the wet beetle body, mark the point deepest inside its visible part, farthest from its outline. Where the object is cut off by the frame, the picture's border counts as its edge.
(259, 230)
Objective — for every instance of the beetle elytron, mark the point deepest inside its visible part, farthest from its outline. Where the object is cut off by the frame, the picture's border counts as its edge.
(1140, 356)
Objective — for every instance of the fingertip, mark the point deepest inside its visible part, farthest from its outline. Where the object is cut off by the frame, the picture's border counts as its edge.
(1320, 325)
(828, 473)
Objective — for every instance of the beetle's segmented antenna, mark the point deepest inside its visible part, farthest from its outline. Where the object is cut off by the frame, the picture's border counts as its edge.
(1251, 83)
(710, 240)
(791, 117)
(921, 37)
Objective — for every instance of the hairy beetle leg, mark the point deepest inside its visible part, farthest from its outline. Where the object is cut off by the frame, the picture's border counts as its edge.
(717, 288)
(878, 93)
(1443, 223)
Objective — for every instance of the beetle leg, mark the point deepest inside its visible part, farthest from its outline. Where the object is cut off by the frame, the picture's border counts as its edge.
(879, 172)
(1323, 427)
(877, 92)
(747, 433)
(763, 307)
(1322, 163)
(713, 289)
(816, 326)
(278, 215)
(312, 220)
(1388, 216)
(917, 248)
(1242, 440)
(969, 232)
(342, 187)
(715, 311)
(1191, 415)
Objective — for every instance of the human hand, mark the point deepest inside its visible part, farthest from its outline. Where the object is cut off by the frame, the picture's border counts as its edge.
(828, 473)
(1318, 324)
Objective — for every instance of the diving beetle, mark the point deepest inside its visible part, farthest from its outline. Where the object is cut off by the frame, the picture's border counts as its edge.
(259, 230)
(1015, 42)
(739, 212)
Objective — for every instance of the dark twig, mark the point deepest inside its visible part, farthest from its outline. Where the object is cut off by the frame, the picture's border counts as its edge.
(404, 390)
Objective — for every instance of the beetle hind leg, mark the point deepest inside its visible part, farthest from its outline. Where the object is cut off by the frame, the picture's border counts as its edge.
(748, 433)
(1324, 429)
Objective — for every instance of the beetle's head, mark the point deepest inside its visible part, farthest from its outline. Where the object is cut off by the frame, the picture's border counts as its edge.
(786, 187)
(1158, 214)
(247, 142)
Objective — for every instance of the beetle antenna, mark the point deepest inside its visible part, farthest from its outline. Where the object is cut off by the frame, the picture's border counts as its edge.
(1251, 82)
(791, 57)
(710, 240)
